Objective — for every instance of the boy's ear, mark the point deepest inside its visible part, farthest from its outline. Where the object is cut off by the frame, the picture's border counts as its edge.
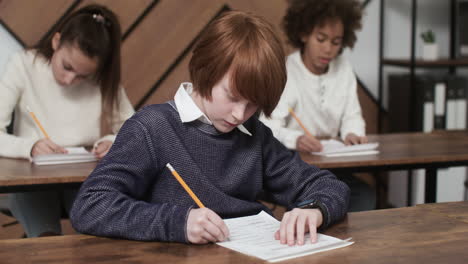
(56, 41)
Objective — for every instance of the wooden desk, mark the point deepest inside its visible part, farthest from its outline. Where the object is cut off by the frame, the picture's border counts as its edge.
(429, 151)
(397, 151)
(418, 234)
(458, 211)
(21, 175)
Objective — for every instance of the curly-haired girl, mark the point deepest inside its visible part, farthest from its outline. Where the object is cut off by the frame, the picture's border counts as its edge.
(321, 86)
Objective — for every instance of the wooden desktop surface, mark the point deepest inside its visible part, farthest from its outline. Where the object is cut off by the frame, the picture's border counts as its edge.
(397, 151)
(22, 173)
(405, 150)
(458, 211)
(420, 234)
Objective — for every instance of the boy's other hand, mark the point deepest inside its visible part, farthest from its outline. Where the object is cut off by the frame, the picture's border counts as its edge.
(204, 226)
(296, 223)
(46, 146)
(307, 143)
(353, 139)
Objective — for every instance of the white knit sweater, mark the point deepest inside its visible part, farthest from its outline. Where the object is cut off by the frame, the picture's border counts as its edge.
(327, 104)
(70, 115)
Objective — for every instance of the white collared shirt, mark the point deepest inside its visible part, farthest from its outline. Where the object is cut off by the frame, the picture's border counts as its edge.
(327, 104)
(189, 111)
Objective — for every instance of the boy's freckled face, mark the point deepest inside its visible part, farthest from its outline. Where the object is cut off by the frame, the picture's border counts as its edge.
(225, 110)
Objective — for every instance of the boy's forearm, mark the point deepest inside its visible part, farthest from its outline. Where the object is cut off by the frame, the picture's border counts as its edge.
(113, 214)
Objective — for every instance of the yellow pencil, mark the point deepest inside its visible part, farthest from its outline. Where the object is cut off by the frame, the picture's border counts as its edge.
(299, 121)
(186, 187)
(37, 122)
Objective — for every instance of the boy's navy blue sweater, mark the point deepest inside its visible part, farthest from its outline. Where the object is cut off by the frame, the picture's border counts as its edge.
(131, 194)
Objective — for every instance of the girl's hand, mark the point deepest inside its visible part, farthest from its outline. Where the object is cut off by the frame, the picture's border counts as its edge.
(296, 223)
(46, 146)
(353, 139)
(204, 226)
(306, 143)
(102, 148)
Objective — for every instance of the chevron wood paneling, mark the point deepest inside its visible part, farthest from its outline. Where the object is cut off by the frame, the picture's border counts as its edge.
(167, 89)
(127, 11)
(273, 11)
(30, 20)
(156, 53)
(160, 39)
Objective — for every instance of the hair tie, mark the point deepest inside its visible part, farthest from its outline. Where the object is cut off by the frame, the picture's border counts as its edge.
(100, 19)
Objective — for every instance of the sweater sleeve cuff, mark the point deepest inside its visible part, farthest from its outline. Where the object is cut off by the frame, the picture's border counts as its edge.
(25, 147)
(325, 214)
(178, 225)
(325, 217)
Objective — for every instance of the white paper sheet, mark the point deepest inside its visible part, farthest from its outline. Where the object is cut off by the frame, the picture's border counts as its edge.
(254, 236)
(74, 155)
(335, 148)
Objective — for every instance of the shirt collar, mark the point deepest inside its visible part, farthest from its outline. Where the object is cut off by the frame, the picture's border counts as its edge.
(189, 111)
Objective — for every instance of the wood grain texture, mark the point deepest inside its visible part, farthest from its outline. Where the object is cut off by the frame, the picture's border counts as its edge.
(168, 88)
(405, 235)
(159, 40)
(272, 11)
(458, 211)
(396, 151)
(30, 20)
(126, 11)
(405, 149)
(17, 172)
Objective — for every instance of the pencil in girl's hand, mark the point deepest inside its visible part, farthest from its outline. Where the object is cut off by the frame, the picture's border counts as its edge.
(186, 187)
(299, 122)
(37, 122)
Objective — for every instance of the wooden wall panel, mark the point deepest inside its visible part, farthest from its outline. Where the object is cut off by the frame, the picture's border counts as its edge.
(154, 52)
(169, 87)
(271, 10)
(127, 11)
(30, 20)
(160, 39)
(370, 111)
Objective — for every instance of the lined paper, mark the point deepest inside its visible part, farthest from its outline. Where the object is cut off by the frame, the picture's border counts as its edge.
(254, 236)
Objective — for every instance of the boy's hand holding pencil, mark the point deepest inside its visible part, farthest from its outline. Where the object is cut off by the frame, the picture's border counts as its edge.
(203, 224)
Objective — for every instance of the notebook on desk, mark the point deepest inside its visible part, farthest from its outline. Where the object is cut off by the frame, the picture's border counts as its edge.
(335, 148)
(74, 155)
